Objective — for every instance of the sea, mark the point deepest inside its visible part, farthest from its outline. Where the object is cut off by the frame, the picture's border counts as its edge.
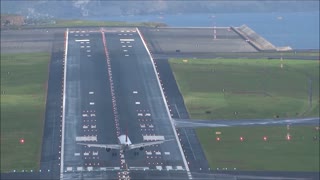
(299, 30)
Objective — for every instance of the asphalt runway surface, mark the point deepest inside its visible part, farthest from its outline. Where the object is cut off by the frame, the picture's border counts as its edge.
(28, 41)
(195, 40)
(106, 97)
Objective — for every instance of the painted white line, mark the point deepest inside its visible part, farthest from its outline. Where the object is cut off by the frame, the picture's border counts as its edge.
(158, 153)
(137, 102)
(89, 168)
(179, 167)
(86, 138)
(169, 167)
(69, 168)
(147, 114)
(91, 92)
(79, 168)
(126, 39)
(153, 138)
(124, 46)
(159, 167)
(166, 105)
(129, 46)
(148, 153)
(167, 153)
(93, 126)
(64, 105)
(88, 47)
(76, 154)
(135, 92)
(126, 55)
(89, 55)
(81, 46)
(91, 103)
(85, 127)
(140, 114)
(125, 50)
(82, 40)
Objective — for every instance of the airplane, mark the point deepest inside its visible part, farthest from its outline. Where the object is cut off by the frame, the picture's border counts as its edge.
(124, 144)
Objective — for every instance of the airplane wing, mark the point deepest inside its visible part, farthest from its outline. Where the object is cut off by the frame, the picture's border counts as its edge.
(139, 145)
(106, 146)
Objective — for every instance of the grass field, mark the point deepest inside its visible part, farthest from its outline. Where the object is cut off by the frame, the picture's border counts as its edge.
(23, 92)
(242, 88)
(301, 153)
(246, 89)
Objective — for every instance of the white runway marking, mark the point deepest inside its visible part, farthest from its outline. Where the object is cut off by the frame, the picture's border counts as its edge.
(89, 55)
(137, 102)
(91, 92)
(91, 103)
(82, 40)
(76, 154)
(135, 92)
(167, 153)
(86, 138)
(126, 55)
(129, 46)
(125, 50)
(153, 138)
(126, 39)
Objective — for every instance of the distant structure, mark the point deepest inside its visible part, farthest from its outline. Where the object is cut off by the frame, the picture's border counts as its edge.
(9, 20)
(256, 40)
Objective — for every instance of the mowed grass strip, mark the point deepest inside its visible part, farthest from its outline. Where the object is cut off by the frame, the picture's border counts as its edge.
(248, 89)
(300, 153)
(23, 94)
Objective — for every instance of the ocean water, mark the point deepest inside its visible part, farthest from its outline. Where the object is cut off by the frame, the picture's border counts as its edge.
(300, 30)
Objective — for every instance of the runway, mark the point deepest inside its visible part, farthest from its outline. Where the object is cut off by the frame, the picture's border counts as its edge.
(111, 88)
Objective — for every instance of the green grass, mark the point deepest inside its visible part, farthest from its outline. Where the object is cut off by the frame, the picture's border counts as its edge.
(301, 153)
(23, 92)
(217, 89)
